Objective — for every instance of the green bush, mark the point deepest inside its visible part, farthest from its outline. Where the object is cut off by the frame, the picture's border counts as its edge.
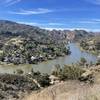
(19, 71)
(83, 60)
(98, 62)
(57, 70)
(84, 44)
(71, 72)
(44, 80)
(68, 72)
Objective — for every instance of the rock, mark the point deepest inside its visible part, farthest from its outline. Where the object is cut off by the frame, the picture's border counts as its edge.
(1, 96)
(87, 76)
(54, 79)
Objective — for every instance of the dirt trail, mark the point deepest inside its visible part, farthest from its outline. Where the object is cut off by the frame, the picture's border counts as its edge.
(70, 90)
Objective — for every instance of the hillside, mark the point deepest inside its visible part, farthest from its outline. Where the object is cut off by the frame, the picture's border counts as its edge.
(20, 43)
(29, 44)
(8, 28)
(71, 90)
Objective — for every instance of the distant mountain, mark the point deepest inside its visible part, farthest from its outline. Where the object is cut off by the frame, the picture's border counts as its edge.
(97, 33)
(15, 28)
(79, 34)
(9, 28)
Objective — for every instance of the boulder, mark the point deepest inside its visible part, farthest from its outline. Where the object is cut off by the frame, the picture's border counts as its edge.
(87, 76)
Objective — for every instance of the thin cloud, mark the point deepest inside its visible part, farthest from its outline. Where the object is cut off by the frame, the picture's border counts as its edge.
(96, 2)
(50, 27)
(42, 24)
(11, 2)
(43, 11)
(53, 24)
(65, 28)
(91, 21)
(32, 12)
(96, 20)
(75, 10)
(86, 29)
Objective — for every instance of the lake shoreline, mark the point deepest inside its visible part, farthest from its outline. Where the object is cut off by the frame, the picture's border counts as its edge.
(46, 66)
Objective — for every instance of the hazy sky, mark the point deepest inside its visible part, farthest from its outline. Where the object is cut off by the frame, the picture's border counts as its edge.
(63, 14)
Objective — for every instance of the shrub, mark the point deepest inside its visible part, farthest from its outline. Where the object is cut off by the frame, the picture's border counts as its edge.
(57, 70)
(19, 71)
(98, 62)
(84, 45)
(83, 60)
(71, 72)
(68, 72)
(44, 80)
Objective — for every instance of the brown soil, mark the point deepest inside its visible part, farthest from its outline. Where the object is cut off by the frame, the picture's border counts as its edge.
(71, 90)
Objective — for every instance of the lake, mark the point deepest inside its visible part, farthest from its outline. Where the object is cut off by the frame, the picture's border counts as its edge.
(46, 67)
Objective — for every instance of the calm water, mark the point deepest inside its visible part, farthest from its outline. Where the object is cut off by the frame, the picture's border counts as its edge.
(46, 67)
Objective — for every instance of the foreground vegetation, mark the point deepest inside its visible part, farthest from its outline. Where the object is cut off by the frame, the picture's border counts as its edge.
(71, 90)
(68, 72)
(16, 86)
(77, 83)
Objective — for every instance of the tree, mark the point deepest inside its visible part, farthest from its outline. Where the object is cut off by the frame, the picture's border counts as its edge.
(98, 62)
(97, 45)
(83, 60)
(19, 71)
(44, 80)
(57, 70)
(84, 45)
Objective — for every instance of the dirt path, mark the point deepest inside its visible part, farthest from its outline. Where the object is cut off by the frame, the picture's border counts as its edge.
(70, 90)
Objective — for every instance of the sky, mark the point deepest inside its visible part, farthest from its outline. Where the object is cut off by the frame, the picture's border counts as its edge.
(53, 14)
